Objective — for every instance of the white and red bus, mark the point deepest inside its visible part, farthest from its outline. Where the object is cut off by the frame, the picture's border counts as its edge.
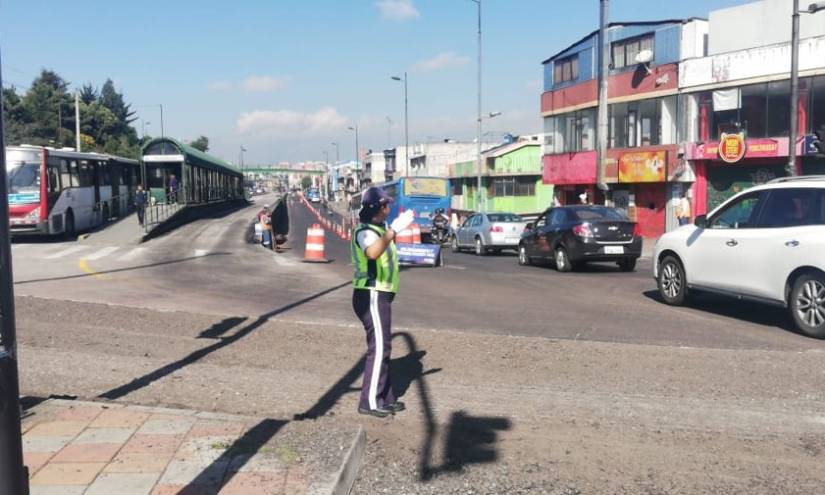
(62, 191)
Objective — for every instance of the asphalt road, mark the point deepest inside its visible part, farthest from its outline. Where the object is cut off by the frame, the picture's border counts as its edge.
(213, 269)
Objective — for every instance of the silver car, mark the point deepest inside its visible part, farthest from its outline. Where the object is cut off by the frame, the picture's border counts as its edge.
(485, 232)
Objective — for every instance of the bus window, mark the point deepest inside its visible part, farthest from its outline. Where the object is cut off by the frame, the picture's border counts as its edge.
(391, 190)
(85, 174)
(424, 187)
(54, 179)
(66, 169)
(24, 178)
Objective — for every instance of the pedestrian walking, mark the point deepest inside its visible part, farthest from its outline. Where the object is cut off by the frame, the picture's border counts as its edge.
(173, 189)
(683, 212)
(140, 204)
(375, 282)
(266, 227)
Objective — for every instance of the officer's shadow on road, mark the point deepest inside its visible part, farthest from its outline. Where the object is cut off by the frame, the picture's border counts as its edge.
(467, 439)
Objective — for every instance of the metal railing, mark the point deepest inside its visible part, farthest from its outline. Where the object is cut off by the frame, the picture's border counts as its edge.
(156, 213)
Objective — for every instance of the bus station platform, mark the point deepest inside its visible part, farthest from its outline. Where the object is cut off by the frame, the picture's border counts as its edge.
(95, 448)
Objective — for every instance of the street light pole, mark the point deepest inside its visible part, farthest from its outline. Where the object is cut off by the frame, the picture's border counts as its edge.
(406, 124)
(357, 155)
(77, 119)
(14, 477)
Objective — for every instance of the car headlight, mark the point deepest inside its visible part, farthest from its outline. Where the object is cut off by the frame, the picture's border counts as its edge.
(34, 214)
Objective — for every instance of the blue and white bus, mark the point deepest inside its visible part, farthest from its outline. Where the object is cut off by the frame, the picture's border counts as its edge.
(423, 195)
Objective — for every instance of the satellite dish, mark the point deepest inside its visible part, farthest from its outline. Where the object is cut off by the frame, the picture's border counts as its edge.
(644, 56)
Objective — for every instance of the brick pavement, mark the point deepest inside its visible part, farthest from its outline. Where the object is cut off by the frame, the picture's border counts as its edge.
(74, 448)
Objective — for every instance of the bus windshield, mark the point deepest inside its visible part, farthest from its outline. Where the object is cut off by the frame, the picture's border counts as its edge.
(425, 187)
(23, 177)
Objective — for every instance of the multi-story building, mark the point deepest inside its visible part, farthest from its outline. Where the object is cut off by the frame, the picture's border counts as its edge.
(643, 167)
(511, 180)
(738, 99)
(433, 159)
(379, 166)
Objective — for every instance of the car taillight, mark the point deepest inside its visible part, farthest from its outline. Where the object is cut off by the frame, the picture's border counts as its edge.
(583, 230)
(496, 228)
(637, 230)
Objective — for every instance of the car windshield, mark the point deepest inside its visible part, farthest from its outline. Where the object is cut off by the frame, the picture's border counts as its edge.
(596, 214)
(504, 218)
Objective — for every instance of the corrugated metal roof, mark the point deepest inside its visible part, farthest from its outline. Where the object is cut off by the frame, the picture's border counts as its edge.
(194, 156)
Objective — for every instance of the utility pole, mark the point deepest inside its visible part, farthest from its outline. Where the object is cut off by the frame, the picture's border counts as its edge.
(357, 156)
(480, 205)
(77, 120)
(14, 477)
(389, 132)
(791, 167)
(601, 134)
(163, 146)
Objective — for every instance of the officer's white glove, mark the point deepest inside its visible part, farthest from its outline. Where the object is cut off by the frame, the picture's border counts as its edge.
(403, 221)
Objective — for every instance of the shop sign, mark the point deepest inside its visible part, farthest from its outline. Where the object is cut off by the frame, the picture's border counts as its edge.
(732, 147)
(644, 166)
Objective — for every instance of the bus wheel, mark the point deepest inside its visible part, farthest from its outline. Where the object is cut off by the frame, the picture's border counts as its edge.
(68, 227)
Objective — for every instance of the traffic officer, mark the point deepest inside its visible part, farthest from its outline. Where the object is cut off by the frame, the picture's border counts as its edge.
(375, 263)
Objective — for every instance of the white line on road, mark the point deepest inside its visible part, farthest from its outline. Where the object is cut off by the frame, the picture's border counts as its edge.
(199, 253)
(101, 253)
(65, 252)
(456, 267)
(134, 253)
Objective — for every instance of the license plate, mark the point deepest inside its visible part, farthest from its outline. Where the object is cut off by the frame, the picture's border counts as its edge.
(614, 250)
(512, 240)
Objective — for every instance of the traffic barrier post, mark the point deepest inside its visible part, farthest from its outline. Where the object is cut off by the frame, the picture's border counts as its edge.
(314, 246)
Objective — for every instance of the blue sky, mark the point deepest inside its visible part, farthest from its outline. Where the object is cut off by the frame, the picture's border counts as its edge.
(285, 78)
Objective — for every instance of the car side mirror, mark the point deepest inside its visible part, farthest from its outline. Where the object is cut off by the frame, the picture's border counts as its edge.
(701, 221)
(529, 226)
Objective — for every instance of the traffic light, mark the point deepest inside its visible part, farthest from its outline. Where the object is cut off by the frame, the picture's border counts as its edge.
(819, 140)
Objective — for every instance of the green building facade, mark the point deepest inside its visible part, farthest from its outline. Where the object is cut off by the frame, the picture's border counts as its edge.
(511, 181)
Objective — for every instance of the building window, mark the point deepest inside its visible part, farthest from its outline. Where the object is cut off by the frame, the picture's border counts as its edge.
(505, 186)
(566, 69)
(570, 132)
(759, 110)
(623, 53)
(525, 186)
(642, 123)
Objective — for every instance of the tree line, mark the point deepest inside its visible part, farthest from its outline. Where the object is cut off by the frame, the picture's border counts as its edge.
(44, 115)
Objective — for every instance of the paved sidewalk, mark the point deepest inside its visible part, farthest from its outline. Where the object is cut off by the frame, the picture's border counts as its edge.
(88, 448)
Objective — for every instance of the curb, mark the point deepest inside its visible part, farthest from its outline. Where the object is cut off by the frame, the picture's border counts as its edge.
(345, 478)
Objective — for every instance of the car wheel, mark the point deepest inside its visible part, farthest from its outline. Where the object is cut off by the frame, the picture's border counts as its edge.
(523, 259)
(672, 282)
(562, 260)
(480, 249)
(808, 304)
(627, 264)
(454, 245)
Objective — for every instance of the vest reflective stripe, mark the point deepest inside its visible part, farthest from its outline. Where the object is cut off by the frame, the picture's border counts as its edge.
(380, 274)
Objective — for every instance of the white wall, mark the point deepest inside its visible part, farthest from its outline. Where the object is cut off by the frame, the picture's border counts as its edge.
(752, 63)
(694, 39)
(761, 23)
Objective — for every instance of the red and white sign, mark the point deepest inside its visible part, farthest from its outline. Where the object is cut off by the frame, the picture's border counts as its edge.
(732, 147)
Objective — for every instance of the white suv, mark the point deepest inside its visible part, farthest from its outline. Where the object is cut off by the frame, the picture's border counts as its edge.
(766, 244)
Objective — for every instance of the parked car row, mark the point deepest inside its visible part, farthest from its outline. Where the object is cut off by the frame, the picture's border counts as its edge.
(766, 245)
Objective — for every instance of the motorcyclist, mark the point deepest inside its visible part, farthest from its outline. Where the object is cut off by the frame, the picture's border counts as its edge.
(441, 225)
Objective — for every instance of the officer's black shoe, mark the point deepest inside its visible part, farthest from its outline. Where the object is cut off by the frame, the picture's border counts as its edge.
(381, 412)
(397, 406)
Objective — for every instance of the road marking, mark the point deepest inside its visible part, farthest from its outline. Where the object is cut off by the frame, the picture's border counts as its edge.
(101, 253)
(200, 253)
(456, 267)
(65, 252)
(14, 246)
(134, 253)
(83, 265)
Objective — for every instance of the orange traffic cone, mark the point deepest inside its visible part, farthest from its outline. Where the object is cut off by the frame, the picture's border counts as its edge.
(416, 233)
(405, 236)
(314, 251)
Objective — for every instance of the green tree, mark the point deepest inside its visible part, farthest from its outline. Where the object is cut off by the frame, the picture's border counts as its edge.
(89, 94)
(201, 143)
(51, 111)
(14, 116)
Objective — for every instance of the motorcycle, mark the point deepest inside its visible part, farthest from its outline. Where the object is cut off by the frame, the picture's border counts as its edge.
(441, 228)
